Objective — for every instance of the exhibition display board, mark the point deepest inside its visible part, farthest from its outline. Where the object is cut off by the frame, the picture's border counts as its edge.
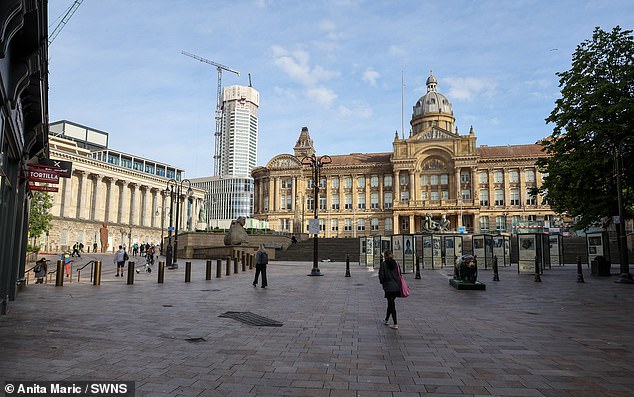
(556, 249)
(502, 249)
(598, 245)
(483, 250)
(532, 246)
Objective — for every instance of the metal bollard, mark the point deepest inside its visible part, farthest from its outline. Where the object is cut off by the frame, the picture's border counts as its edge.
(538, 279)
(251, 259)
(235, 265)
(496, 275)
(417, 277)
(188, 272)
(208, 271)
(218, 268)
(579, 271)
(228, 271)
(97, 278)
(347, 265)
(161, 272)
(130, 273)
(59, 276)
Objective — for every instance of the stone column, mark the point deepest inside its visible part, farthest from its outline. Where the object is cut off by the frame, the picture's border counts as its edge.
(143, 215)
(96, 196)
(107, 206)
(123, 200)
(67, 197)
(271, 195)
(132, 203)
(81, 195)
(154, 207)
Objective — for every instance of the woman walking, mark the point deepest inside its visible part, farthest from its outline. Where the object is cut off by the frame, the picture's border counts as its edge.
(391, 282)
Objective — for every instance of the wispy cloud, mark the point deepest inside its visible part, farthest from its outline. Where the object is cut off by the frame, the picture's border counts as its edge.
(322, 95)
(371, 76)
(466, 88)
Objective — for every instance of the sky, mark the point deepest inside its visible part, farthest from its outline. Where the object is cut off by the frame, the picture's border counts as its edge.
(334, 66)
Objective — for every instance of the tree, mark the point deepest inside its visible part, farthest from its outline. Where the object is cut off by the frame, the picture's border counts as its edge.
(593, 127)
(39, 214)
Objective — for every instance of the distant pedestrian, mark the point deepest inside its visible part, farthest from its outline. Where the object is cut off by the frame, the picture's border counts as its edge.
(76, 250)
(261, 260)
(40, 270)
(391, 282)
(119, 259)
(66, 260)
(94, 247)
(81, 247)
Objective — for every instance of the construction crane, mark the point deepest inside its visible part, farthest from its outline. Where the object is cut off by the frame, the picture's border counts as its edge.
(69, 13)
(218, 133)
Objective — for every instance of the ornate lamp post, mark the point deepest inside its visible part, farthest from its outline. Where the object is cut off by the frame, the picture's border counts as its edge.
(179, 200)
(316, 163)
(625, 276)
(171, 185)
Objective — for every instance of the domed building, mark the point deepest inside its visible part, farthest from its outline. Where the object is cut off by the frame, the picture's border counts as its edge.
(433, 173)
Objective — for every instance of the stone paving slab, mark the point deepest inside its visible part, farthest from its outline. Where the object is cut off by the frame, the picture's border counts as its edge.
(518, 338)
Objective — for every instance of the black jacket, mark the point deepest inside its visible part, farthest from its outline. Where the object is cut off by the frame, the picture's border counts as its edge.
(388, 276)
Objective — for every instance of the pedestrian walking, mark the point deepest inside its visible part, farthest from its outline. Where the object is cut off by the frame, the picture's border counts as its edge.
(261, 260)
(40, 270)
(76, 250)
(67, 261)
(119, 259)
(391, 282)
(94, 247)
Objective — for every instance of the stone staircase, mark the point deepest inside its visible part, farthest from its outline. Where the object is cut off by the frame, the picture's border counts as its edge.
(328, 248)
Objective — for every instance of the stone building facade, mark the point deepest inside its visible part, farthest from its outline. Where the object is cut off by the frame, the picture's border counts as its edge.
(434, 173)
(132, 204)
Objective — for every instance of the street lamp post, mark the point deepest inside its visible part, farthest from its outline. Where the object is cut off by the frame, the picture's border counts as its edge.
(625, 276)
(171, 184)
(316, 163)
(179, 193)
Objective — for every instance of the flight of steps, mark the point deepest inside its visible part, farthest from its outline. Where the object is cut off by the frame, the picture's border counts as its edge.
(328, 248)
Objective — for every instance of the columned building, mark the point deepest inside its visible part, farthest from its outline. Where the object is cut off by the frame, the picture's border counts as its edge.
(125, 193)
(435, 171)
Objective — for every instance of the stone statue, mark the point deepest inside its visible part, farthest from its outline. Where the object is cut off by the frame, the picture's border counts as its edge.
(202, 214)
(236, 235)
(429, 225)
(103, 236)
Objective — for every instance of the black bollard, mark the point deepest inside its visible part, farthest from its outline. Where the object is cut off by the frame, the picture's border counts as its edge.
(161, 272)
(417, 277)
(579, 271)
(130, 273)
(496, 275)
(97, 278)
(208, 271)
(188, 272)
(347, 265)
(235, 264)
(538, 279)
(218, 268)
(59, 276)
(228, 272)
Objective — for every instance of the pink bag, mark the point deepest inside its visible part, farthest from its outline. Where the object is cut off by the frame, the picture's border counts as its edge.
(404, 289)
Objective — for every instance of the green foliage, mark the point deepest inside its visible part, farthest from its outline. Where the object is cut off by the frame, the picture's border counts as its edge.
(39, 214)
(592, 120)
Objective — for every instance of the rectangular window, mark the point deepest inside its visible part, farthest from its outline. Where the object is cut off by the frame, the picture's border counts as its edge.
(287, 183)
(529, 175)
(466, 194)
(444, 179)
(309, 183)
(484, 177)
(347, 182)
(388, 224)
(361, 225)
(515, 196)
(404, 196)
(361, 182)
(423, 196)
(514, 176)
(484, 198)
(334, 225)
(374, 224)
(500, 223)
(322, 203)
(424, 180)
(484, 223)
(464, 177)
(347, 225)
(387, 200)
(310, 203)
(374, 181)
(434, 196)
(444, 195)
(433, 180)
(334, 202)
(374, 201)
(361, 202)
(387, 181)
(499, 196)
(498, 177)
(322, 183)
(335, 183)
(348, 202)
(530, 199)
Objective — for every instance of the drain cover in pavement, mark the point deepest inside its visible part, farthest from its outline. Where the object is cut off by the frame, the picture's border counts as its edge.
(252, 319)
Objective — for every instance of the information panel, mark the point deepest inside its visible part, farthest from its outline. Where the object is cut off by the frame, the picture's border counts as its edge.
(377, 256)
(369, 251)
(597, 245)
(527, 247)
(555, 243)
(362, 251)
(502, 249)
(408, 253)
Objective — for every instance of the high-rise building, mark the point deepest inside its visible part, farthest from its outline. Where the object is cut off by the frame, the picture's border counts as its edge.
(229, 194)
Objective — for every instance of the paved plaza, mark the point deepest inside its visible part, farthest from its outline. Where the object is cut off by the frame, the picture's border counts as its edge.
(557, 338)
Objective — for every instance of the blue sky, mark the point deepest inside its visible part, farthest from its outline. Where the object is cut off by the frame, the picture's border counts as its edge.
(333, 66)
